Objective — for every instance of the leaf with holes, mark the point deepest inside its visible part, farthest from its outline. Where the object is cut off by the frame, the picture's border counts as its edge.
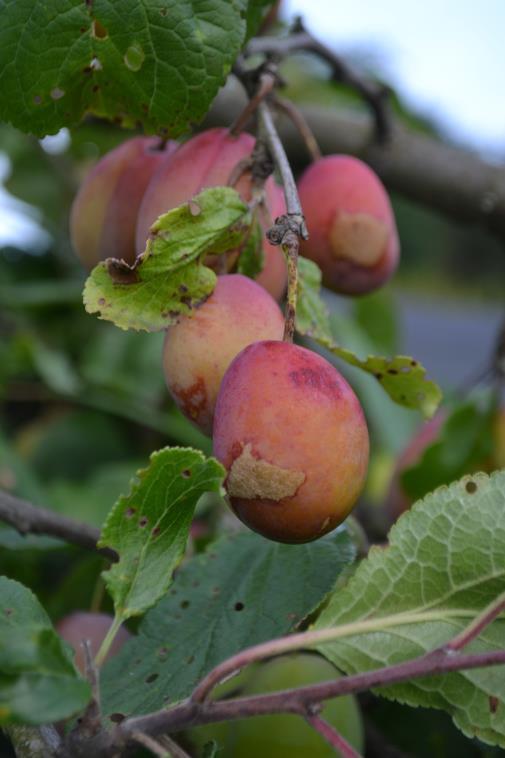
(158, 63)
(38, 681)
(445, 563)
(243, 590)
(149, 527)
(403, 378)
(169, 278)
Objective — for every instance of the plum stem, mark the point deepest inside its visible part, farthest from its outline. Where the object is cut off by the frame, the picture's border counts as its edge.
(374, 94)
(276, 148)
(268, 81)
(290, 228)
(290, 247)
(332, 737)
(301, 123)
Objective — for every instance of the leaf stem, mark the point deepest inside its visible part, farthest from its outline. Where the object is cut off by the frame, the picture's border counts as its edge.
(108, 640)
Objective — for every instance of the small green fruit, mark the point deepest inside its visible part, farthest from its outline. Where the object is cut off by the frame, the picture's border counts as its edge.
(281, 736)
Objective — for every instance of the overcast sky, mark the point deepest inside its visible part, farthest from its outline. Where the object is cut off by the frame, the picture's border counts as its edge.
(446, 57)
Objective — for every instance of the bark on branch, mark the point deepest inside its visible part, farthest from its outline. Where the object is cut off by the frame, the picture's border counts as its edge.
(448, 179)
(28, 519)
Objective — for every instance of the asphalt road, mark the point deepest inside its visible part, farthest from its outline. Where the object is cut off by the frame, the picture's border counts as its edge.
(453, 341)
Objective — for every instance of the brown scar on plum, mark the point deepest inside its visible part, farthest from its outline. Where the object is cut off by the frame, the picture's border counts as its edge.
(252, 478)
(193, 399)
(358, 237)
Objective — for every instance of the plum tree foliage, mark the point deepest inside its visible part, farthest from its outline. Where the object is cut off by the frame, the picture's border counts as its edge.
(203, 236)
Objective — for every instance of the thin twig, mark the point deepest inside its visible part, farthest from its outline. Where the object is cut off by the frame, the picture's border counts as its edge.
(150, 744)
(449, 179)
(484, 619)
(191, 713)
(304, 640)
(289, 229)
(301, 124)
(281, 160)
(267, 83)
(374, 95)
(92, 715)
(333, 737)
(173, 748)
(28, 519)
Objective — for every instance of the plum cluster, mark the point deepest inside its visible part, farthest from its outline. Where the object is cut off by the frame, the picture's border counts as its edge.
(285, 424)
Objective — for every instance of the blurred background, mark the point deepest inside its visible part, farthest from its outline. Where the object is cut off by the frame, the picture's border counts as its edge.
(84, 404)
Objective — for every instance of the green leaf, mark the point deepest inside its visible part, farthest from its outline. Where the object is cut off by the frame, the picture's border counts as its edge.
(38, 681)
(376, 315)
(243, 590)
(252, 258)
(403, 378)
(445, 563)
(256, 12)
(169, 278)
(464, 443)
(158, 63)
(149, 527)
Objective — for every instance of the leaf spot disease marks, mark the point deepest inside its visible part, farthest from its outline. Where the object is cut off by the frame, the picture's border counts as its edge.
(57, 93)
(134, 57)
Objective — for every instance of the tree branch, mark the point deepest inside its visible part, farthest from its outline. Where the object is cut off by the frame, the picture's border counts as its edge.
(34, 741)
(445, 178)
(191, 713)
(28, 519)
(374, 95)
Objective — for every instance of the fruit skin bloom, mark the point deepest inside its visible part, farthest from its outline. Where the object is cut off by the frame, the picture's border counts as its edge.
(292, 435)
(352, 228)
(199, 348)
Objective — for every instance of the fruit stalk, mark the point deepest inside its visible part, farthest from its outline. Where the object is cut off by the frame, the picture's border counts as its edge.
(289, 229)
(333, 737)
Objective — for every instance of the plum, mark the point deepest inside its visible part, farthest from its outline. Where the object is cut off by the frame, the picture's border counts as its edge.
(352, 230)
(208, 160)
(199, 348)
(104, 212)
(292, 435)
(282, 735)
(84, 625)
(397, 500)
